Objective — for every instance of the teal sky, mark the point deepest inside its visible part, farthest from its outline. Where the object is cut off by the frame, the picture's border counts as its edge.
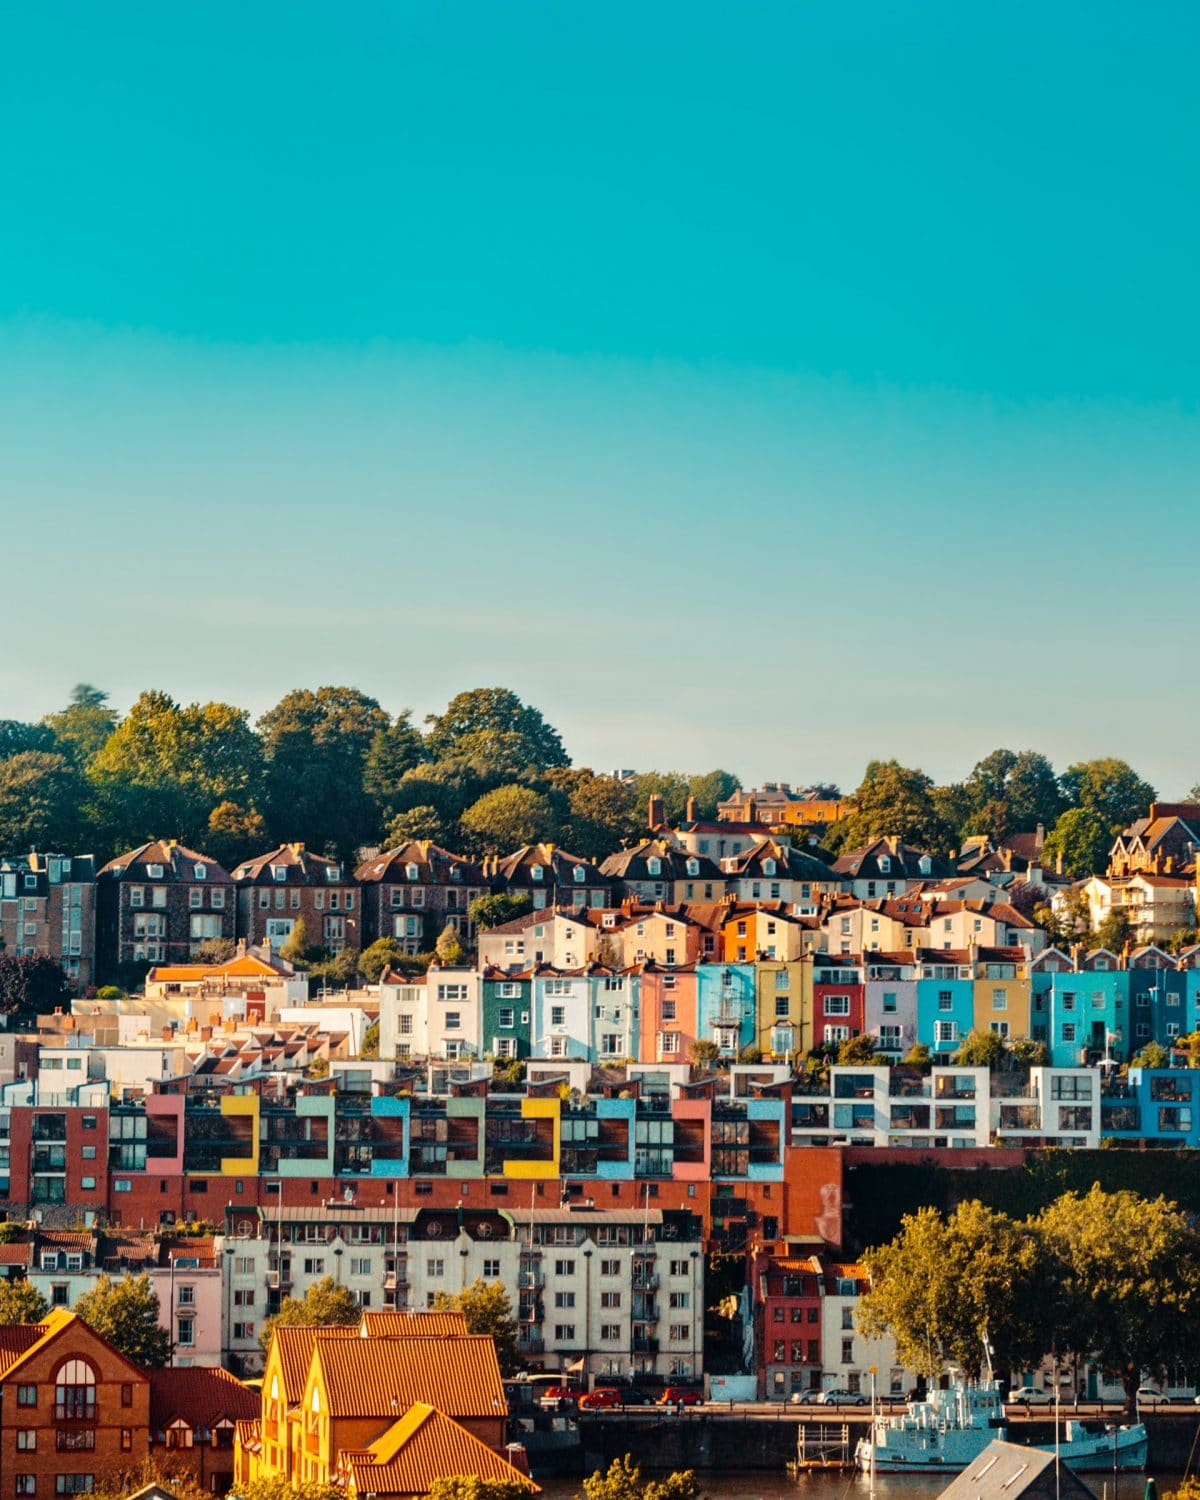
(768, 385)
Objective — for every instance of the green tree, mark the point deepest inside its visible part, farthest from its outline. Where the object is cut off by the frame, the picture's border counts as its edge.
(297, 948)
(21, 1302)
(19, 738)
(622, 1480)
(494, 911)
(471, 1487)
(336, 971)
(487, 1309)
(214, 951)
(31, 985)
(706, 1053)
(170, 1471)
(670, 786)
(316, 746)
(370, 1041)
(125, 1312)
(492, 726)
(942, 1282)
(919, 1056)
(421, 822)
(981, 1049)
(1025, 1053)
(1152, 1055)
(167, 766)
(602, 815)
(277, 1487)
(83, 727)
(324, 1304)
(234, 833)
(1109, 788)
(1114, 931)
(1012, 793)
(1066, 922)
(375, 960)
(510, 817)
(393, 752)
(710, 788)
(898, 801)
(40, 800)
(1083, 839)
(857, 1051)
(449, 946)
(1129, 1273)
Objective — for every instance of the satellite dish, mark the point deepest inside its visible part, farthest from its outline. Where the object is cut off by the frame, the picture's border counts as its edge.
(434, 1229)
(485, 1231)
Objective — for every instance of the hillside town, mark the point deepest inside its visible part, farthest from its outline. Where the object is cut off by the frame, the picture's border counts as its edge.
(676, 1052)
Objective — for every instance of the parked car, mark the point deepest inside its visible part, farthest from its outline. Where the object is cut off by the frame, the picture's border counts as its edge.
(1148, 1396)
(842, 1398)
(635, 1397)
(601, 1399)
(806, 1398)
(1029, 1395)
(553, 1394)
(681, 1395)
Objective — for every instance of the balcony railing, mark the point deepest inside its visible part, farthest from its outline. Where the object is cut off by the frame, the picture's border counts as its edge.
(75, 1411)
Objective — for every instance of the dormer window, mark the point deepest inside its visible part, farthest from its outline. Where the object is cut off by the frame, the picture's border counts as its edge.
(455, 872)
(768, 867)
(925, 864)
(535, 873)
(654, 867)
(200, 872)
(693, 867)
(31, 882)
(411, 872)
(333, 872)
(279, 872)
(154, 872)
(885, 864)
(580, 874)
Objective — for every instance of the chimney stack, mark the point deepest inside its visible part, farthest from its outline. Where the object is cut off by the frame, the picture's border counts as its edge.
(689, 810)
(655, 812)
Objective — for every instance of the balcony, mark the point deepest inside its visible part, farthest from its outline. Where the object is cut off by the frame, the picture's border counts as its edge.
(530, 1278)
(644, 1283)
(75, 1411)
(531, 1343)
(644, 1344)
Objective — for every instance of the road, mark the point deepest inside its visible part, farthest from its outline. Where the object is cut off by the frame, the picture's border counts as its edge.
(1090, 1410)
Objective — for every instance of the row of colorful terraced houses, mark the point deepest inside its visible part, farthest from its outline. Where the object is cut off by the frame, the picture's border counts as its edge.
(158, 903)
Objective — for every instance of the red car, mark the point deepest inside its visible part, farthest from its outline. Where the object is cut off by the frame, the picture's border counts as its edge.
(681, 1395)
(601, 1399)
(553, 1394)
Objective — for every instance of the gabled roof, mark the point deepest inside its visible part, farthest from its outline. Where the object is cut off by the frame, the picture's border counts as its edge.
(904, 860)
(240, 966)
(178, 863)
(201, 1395)
(53, 1326)
(301, 867)
(375, 1377)
(435, 866)
(424, 1445)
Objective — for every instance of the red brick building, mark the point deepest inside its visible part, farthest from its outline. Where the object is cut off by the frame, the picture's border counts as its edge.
(48, 906)
(193, 1417)
(291, 884)
(411, 893)
(157, 904)
(76, 1413)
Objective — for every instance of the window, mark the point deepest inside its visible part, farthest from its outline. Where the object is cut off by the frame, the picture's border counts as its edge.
(564, 1299)
(679, 1299)
(185, 1332)
(610, 1333)
(1068, 1000)
(75, 1392)
(26, 1484)
(945, 1031)
(847, 1351)
(680, 1332)
(435, 1269)
(610, 1299)
(564, 1333)
(453, 1020)
(27, 1395)
(837, 1005)
(999, 999)
(360, 1265)
(1068, 1031)
(558, 1015)
(504, 1017)
(453, 992)
(945, 1000)
(74, 1484)
(314, 1265)
(491, 1270)
(26, 1439)
(564, 1268)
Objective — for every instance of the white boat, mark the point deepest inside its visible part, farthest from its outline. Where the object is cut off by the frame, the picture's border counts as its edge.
(951, 1428)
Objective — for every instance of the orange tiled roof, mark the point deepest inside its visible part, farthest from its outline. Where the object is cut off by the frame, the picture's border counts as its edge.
(16, 1339)
(422, 1446)
(365, 1378)
(201, 1395)
(295, 1345)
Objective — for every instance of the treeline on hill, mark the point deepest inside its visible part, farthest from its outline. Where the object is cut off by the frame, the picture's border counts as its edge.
(333, 769)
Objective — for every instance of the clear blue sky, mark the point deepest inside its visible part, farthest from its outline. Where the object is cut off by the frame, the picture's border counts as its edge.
(768, 385)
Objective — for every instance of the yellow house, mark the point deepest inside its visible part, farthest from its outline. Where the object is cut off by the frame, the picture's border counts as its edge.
(1002, 992)
(783, 1006)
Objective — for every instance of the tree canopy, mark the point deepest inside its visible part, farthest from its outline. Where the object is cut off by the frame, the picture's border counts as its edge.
(487, 1309)
(125, 1312)
(325, 1302)
(21, 1302)
(622, 1480)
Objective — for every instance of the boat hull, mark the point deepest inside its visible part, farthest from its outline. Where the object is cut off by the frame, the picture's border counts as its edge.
(955, 1451)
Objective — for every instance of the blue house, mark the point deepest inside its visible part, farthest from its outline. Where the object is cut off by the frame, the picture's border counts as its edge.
(726, 1006)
